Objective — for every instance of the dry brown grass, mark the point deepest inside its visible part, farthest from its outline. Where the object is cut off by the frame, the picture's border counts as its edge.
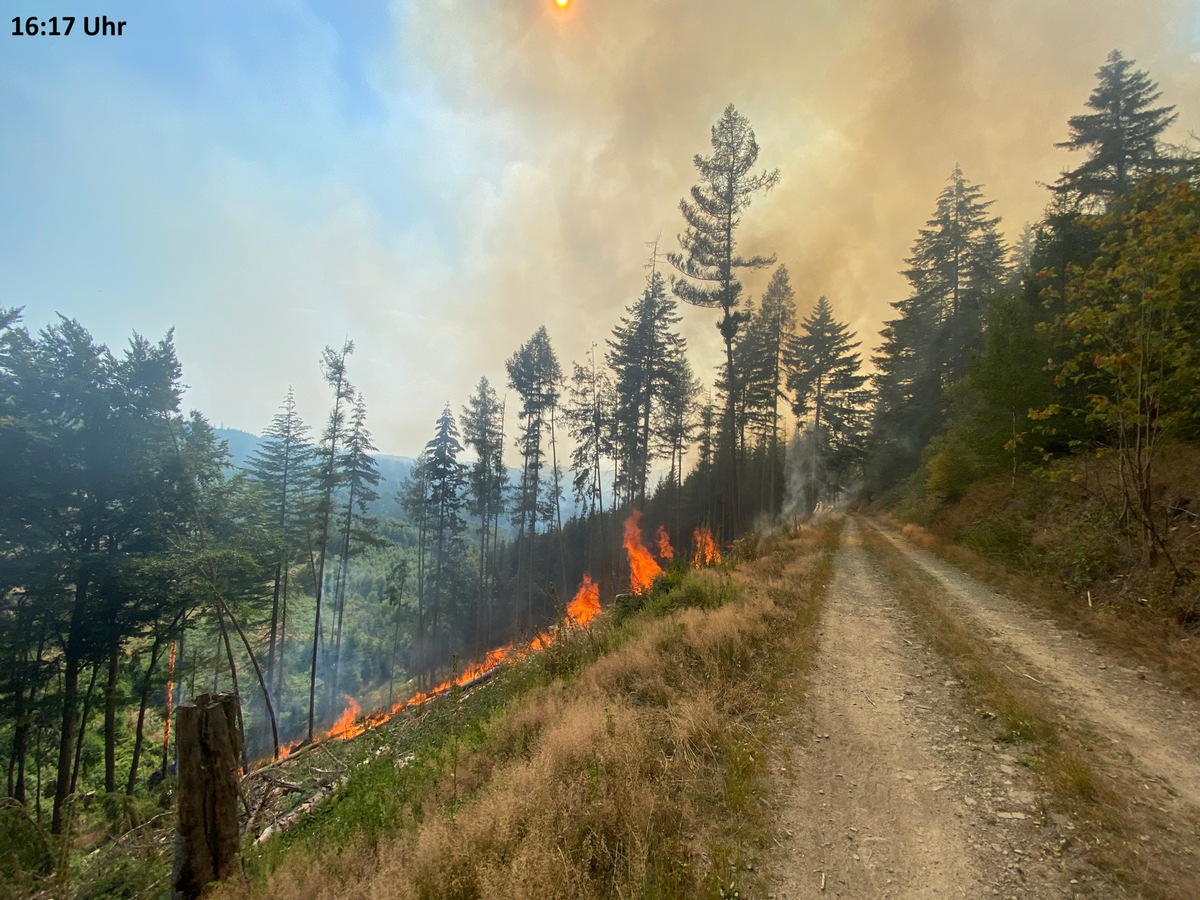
(639, 778)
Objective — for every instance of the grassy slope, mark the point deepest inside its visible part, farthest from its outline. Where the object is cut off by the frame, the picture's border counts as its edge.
(625, 761)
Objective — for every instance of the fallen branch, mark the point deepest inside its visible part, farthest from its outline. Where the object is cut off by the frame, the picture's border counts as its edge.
(1022, 674)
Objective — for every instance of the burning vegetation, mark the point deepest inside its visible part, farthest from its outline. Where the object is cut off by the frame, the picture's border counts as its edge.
(583, 608)
(665, 551)
(642, 567)
(705, 552)
(581, 611)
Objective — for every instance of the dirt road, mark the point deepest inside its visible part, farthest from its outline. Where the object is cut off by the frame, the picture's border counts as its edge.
(895, 784)
(1155, 724)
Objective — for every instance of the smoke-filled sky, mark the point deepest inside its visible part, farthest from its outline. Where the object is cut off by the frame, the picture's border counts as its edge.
(434, 179)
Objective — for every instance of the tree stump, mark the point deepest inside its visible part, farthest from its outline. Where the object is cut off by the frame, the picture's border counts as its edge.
(207, 836)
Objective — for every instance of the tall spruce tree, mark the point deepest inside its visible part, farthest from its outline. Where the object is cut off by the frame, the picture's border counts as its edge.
(446, 481)
(709, 260)
(591, 402)
(1121, 136)
(333, 370)
(645, 354)
(824, 374)
(958, 265)
(534, 373)
(282, 466)
(768, 335)
(487, 478)
(360, 477)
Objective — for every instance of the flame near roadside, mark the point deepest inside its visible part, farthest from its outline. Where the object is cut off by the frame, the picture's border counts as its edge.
(583, 608)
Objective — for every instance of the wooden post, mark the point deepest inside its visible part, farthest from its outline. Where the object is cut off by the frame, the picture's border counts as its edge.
(207, 837)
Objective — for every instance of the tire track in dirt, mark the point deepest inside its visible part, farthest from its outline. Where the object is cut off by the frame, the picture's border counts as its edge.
(893, 788)
(1153, 724)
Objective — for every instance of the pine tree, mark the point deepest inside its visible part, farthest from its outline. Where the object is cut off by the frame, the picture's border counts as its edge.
(534, 373)
(359, 477)
(446, 481)
(824, 374)
(1121, 137)
(333, 369)
(958, 265)
(709, 259)
(644, 355)
(483, 432)
(589, 412)
(768, 335)
(282, 466)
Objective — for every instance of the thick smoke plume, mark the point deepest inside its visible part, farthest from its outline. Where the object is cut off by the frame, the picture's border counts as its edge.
(588, 122)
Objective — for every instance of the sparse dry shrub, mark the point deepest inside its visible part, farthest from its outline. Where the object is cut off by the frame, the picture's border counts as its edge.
(918, 536)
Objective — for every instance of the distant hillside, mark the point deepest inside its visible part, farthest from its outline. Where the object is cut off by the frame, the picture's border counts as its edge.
(392, 469)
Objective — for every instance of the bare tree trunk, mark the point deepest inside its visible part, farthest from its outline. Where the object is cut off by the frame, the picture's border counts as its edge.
(110, 721)
(83, 721)
(143, 702)
(207, 836)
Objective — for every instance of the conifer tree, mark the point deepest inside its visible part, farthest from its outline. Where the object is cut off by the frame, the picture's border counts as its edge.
(645, 355)
(709, 260)
(483, 432)
(589, 413)
(282, 466)
(333, 369)
(446, 483)
(824, 373)
(360, 477)
(534, 373)
(1121, 136)
(770, 330)
(958, 265)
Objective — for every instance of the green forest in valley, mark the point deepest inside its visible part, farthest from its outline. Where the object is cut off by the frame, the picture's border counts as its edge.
(1038, 401)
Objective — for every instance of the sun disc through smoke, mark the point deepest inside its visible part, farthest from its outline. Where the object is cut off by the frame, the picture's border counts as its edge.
(562, 4)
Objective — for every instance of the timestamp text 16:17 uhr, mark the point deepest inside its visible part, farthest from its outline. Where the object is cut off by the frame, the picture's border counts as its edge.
(62, 26)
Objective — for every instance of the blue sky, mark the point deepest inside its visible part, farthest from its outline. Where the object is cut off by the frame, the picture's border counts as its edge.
(435, 179)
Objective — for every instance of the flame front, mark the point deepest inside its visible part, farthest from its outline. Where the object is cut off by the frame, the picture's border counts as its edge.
(586, 605)
(582, 609)
(642, 567)
(665, 551)
(706, 552)
(347, 725)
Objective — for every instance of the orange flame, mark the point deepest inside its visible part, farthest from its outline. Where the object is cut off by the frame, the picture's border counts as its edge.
(346, 726)
(642, 567)
(665, 551)
(586, 605)
(582, 609)
(170, 696)
(706, 552)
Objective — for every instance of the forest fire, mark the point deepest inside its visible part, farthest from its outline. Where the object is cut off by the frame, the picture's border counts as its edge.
(583, 608)
(642, 567)
(586, 604)
(665, 551)
(705, 552)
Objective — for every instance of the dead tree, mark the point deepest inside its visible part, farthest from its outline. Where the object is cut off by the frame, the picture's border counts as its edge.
(209, 742)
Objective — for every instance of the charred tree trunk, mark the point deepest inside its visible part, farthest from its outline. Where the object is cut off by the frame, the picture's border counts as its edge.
(209, 740)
